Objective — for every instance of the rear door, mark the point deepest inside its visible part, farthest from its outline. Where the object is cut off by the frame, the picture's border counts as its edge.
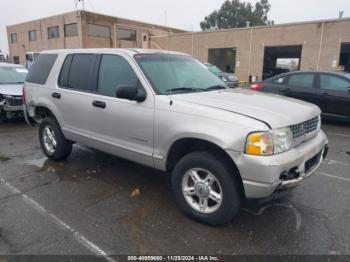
(75, 94)
(334, 94)
(301, 86)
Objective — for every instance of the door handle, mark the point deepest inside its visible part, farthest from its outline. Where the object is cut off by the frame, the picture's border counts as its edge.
(56, 95)
(99, 104)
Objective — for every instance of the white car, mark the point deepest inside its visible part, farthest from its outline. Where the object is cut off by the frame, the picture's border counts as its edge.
(11, 83)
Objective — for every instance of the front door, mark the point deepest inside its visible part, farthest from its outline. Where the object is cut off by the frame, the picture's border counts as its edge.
(123, 126)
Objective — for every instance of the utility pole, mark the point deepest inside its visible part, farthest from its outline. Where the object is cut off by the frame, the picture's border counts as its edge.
(341, 13)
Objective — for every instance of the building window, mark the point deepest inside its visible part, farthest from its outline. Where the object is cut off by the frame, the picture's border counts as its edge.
(71, 30)
(16, 60)
(13, 38)
(99, 31)
(32, 35)
(126, 34)
(53, 32)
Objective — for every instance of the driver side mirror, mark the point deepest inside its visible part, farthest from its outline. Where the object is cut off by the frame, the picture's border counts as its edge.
(131, 92)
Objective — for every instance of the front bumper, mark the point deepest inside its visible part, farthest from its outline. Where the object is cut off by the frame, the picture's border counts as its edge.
(232, 84)
(263, 175)
(11, 112)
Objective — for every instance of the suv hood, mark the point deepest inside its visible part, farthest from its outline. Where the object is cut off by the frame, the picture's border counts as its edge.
(276, 111)
(13, 90)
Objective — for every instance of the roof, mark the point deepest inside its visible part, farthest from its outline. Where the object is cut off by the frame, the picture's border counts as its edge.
(340, 73)
(129, 51)
(157, 26)
(347, 19)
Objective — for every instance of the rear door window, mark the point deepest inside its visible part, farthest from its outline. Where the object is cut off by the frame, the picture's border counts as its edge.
(41, 68)
(81, 70)
(302, 80)
(334, 83)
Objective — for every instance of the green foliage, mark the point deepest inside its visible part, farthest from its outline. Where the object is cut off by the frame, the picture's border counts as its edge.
(235, 13)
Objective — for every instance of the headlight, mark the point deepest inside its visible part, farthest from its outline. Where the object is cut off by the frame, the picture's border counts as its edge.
(319, 122)
(282, 140)
(224, 79)
(270, 142)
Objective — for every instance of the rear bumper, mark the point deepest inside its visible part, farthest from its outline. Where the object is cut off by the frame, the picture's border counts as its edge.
(262, 176)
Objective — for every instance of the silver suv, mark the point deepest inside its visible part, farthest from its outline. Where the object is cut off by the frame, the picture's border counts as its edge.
(166, 110)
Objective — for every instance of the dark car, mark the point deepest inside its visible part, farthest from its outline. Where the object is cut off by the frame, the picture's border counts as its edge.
(329, 90)
(230, 79)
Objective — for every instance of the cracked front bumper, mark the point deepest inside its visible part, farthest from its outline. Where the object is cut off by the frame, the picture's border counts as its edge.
(261, 175)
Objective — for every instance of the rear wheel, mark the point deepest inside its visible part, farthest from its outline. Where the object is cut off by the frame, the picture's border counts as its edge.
(52, 141)
(205, 189)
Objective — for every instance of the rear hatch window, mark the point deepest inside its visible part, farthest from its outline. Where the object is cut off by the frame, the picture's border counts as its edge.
(40, 70)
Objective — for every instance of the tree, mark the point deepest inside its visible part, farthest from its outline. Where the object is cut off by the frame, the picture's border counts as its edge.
(234, 13)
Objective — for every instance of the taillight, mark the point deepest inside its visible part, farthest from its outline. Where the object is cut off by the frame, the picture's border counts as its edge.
(23, 95)
(256, 86)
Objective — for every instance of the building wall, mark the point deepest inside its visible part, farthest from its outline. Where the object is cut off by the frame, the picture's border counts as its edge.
(42, 42)
(83, 40)
(250, 44)
(114, 23)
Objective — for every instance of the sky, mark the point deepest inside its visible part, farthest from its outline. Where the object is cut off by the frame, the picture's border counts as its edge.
(184, 14)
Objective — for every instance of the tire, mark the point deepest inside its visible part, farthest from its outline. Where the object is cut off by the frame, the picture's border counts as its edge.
(225, 183)
(59, 150)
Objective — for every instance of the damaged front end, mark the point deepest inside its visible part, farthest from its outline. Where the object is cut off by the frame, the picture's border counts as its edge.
(11, 107)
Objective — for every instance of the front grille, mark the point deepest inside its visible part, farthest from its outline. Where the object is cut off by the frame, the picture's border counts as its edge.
(305, 128)
(14, 101)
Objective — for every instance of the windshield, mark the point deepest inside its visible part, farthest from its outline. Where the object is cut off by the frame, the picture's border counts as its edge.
(215, 70)
(169, 73)
(12, 75)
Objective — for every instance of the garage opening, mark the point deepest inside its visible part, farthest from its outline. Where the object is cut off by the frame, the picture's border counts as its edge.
(344, 60)
(223, 58)
(281, 59)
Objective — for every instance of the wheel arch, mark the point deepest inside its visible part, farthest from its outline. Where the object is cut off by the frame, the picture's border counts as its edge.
(184, 146)
(42, 111)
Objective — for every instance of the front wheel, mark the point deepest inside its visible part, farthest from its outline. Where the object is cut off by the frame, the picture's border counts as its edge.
(205, 189)
(52, 141)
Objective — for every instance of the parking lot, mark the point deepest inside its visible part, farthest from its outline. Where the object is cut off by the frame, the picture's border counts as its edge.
(95, 203)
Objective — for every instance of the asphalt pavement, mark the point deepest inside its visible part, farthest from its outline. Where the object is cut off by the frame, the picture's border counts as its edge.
(95, 203)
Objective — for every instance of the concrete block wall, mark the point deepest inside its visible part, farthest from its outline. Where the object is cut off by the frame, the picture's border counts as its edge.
(250, 44)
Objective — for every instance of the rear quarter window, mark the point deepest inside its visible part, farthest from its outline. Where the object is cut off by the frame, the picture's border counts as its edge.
(41, 68)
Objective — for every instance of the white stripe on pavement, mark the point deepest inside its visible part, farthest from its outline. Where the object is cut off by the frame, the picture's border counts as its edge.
(337, 134)
(41, 210)
(333, 176)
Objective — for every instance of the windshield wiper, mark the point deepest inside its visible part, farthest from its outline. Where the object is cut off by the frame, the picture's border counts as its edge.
(187, 89)
(216, 87)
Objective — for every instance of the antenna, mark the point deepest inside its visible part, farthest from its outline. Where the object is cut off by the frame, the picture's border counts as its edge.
(341, 13)
(79, 3)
